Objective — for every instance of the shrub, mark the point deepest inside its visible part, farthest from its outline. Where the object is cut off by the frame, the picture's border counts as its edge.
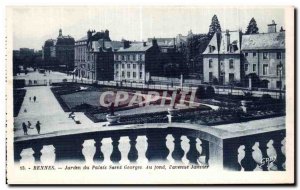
(200, 92)
(210, 91)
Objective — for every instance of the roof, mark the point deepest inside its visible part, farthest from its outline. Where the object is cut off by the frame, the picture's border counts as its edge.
(234, 41)
(264, 41)
(114, 45)
(136, 47)
(82, 39)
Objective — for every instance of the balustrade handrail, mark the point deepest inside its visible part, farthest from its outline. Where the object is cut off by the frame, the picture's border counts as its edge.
(209, 133)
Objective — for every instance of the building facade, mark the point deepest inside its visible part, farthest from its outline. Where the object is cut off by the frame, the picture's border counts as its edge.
(222, 59)
(264, 59)
(59, 53)
(136, 61)
(94, 57)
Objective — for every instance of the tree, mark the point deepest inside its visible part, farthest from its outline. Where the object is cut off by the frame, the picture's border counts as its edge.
(252, 27)
(214, 26)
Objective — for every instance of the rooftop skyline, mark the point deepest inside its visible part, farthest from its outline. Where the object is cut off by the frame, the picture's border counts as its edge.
(32, 26)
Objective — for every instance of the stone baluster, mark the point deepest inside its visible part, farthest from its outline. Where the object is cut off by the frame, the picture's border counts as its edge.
(248, 163)
(178, 152)
(264, 148)
(36, 147)
(17, 152)
(69, 149)
(205, 151)
(193, 154)
(280, 158)
(230, 154)
(133, 153)
(115, 156)
(157, 149)
(98, 157)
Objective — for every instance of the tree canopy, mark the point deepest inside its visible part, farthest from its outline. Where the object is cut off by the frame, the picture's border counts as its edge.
(214, 26)
(252, 27)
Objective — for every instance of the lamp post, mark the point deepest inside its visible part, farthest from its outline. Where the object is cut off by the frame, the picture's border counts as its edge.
(280, 79)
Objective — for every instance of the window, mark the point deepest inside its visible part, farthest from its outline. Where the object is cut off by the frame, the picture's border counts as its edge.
(117, 74)
(141, 66)
(210, 63)
(254, 54)
(278, 69)
(123, 58)
(254, 68)
(117, 66)
(141, 75)
(134, 74)
(140, 57)
(246, 67)
(134, 57)
(210, 76)
(246, 54)
(123, 74)
(128, 74)
(231, 77)
(134, 66)
(278, 84)
(265, 55)
(116, 57)
(123, 66)
(231, 66)
(278, 55)
(265, 69)
(128, 66)
(211, 49)
(128, 58)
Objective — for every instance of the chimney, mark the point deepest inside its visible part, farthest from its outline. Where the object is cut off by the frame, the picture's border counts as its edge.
(227, 39)
(154, 42)
(89, 34)
(145, 43)
(272, 27)
(107, 33)
(125, 44)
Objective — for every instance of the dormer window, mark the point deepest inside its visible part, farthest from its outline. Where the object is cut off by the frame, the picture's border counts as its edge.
(211, 49)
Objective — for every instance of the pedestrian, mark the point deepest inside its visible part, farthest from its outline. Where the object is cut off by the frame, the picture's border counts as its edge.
(38, 126)
(29, 125)
(34, 98)
(24, 128)
(30, 98)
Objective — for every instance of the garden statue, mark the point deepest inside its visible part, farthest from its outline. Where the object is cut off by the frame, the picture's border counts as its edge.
(112, 109)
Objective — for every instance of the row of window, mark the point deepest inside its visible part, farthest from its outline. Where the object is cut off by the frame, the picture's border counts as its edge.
(266, 55)
(134, 75)
(231, 63)
(265, 69)
(131, 57)
(134, 66)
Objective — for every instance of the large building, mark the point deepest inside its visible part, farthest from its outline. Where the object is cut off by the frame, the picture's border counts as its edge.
(59, 53)
(94, 57)
(222, 58)
(264, 58)
(254, 60)
(135, 62)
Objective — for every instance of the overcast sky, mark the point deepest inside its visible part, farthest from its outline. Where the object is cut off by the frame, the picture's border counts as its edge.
(33, 25)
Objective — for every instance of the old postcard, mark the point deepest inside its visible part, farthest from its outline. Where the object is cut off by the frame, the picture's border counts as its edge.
(150, 95)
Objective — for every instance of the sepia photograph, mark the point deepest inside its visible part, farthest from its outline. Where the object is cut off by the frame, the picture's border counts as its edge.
(150, 95)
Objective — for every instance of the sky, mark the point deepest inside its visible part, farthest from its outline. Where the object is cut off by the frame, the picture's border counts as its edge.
(32, 26)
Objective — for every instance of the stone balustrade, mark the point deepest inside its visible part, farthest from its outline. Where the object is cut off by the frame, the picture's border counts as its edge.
(230, 150)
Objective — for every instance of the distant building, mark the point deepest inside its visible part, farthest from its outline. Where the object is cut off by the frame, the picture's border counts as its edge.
(94, 55)
(264, 58)
(60, 52)
(135, 62)
(170, 58)
(222, 58)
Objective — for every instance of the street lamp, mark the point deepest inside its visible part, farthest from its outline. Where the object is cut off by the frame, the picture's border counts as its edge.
(280, 79)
